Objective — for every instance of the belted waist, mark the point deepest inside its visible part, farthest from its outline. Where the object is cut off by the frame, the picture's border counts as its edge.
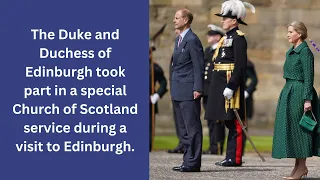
(224, 67)
(234, 102)
(294, 80)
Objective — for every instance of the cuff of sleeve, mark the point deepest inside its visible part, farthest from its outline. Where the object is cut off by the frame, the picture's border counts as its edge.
(200, 91)
(249, 91)
(308, 97)
(232, 86)
(161, 93)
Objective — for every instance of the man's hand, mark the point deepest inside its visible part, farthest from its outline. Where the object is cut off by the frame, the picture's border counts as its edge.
(154, 98)
(196, 94)
(246, 94)
(228, 93)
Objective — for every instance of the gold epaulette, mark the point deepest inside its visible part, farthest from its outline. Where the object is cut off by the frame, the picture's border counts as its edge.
(240, 33)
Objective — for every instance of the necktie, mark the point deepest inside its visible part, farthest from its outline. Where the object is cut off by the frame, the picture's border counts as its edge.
(180, 39)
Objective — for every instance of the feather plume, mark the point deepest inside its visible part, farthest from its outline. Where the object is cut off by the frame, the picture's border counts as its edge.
(226, 7)
(240, 10)
(237, 7)
(252, 8)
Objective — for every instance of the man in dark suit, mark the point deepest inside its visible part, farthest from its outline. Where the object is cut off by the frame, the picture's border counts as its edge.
(186, 89)
(158, 94)
(216, 128)
(180, 146)
(227, 87)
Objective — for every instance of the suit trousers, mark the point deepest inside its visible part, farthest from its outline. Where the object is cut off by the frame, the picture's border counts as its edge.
(179, 129)
(188, 115)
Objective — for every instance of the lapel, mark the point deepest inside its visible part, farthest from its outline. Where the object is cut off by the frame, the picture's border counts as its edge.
(178, 50)
(176, 44)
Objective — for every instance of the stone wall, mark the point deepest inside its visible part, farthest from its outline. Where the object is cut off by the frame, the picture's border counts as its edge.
(267, 44)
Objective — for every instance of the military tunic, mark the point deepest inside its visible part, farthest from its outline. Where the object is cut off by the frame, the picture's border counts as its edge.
(290, 140)
(233, 50)
(160, 78)
(216, 128)
(208, 53)
(250, 88)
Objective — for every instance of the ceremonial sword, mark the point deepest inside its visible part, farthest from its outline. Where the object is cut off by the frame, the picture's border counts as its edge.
(247, 135)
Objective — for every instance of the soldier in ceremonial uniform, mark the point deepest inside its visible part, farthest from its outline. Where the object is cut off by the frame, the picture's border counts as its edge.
(252, 81)
(250, 89)
(160, 78)
(216, 128)
(226, 91)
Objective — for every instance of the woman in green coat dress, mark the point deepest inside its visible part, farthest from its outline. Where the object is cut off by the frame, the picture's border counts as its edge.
(297, 96)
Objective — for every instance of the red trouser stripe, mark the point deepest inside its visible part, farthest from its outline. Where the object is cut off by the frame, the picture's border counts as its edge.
(239, 142)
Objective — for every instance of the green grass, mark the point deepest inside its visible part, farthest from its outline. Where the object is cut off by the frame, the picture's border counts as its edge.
(262, 143)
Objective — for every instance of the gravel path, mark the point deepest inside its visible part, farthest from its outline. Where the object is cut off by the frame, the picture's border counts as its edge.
(161, 164)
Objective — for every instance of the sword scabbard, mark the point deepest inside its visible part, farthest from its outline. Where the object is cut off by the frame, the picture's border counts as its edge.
(247, 135)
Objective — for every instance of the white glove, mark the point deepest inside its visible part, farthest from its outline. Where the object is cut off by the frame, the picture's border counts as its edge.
(228, 93)
(154, 98)
(246, 94)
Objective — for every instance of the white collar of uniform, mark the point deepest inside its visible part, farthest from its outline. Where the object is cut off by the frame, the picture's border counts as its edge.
(184, 33)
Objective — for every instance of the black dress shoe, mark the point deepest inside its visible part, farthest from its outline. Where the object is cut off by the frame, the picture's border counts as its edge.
(209, 152)
(189, 169)
(177, 168)
(176, 150)
(228, 163)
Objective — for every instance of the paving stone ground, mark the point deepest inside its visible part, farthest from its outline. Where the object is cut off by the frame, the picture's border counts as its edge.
(161, 164)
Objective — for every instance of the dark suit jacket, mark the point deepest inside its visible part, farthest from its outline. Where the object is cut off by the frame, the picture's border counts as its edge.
(187, 68)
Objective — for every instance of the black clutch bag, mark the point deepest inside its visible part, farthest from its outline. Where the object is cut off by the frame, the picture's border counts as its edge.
(308, 123)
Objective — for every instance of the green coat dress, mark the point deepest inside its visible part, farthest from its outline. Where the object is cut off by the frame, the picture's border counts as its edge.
(289, 139)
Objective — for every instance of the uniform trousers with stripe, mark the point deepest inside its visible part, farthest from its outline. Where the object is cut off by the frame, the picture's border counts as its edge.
(236, 138)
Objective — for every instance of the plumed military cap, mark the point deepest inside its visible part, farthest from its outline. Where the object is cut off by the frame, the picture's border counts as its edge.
(235, 9)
